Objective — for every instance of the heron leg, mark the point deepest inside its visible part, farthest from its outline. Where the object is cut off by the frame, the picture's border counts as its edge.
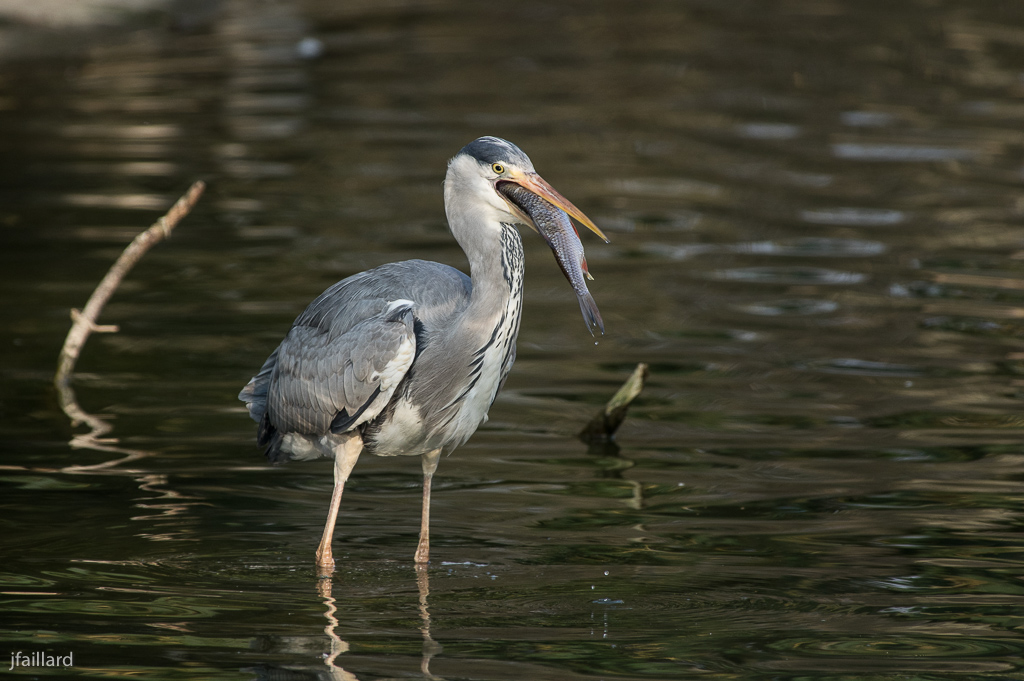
(429, 461)
(346, 453)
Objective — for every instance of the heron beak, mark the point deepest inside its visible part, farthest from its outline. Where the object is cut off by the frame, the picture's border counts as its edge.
(539, 186)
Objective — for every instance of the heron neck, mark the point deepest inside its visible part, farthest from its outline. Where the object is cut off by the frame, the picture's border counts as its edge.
(493, 248)
(496, 271)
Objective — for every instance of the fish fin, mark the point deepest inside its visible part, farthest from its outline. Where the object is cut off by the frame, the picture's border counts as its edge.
(591, 315)
(586, 270)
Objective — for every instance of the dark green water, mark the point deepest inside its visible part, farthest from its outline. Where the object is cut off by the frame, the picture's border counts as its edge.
(816, 212)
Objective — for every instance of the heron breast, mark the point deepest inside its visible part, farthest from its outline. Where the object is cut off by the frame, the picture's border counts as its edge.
(401, 433)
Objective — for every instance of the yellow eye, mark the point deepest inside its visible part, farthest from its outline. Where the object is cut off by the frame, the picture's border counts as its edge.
(497, 168)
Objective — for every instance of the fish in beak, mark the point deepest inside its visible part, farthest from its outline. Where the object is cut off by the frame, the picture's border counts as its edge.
(548, 212)
(539, 186)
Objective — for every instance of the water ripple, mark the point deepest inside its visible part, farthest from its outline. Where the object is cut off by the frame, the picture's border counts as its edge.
(866, 119)
(813, 247)
(126, 201)
(855, 151)
(789, 306)
(861, 217)
(668, 187)
(769, 131)
(788, 275)
(896, 650)
(862, 367)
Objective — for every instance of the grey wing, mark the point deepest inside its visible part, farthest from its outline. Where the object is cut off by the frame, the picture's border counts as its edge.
(326, 382)
(437, 290)
(324, 347)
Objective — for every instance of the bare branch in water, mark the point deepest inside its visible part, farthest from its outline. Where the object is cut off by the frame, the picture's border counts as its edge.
(604, 424)
(84, 321)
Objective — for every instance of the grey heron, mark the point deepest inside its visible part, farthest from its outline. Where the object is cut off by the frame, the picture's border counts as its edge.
(407, 358)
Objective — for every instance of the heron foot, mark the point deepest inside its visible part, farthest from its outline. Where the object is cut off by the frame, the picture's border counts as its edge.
(324, 562)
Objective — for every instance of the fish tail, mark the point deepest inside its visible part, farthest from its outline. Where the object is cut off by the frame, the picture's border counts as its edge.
(591, 315)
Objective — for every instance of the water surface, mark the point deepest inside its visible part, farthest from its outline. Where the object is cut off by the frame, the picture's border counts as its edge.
(815, 212)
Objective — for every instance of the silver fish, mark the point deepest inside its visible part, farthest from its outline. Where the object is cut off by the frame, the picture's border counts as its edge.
(561, 235)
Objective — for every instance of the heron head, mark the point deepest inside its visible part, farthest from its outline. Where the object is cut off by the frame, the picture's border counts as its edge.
(483, 164)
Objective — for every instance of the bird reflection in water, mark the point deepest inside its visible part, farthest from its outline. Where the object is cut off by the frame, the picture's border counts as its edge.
(338, 646)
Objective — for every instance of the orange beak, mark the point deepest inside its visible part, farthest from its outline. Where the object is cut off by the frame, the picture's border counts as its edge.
(539, 186)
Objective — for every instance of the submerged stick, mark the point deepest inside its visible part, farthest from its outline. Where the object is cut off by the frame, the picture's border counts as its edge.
(84, 321)
(604, 424)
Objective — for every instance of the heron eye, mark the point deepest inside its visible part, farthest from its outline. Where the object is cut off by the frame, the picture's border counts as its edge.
(497, 168)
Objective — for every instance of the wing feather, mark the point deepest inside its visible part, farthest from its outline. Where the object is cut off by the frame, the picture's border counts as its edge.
(320, 375)
(347, 353)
